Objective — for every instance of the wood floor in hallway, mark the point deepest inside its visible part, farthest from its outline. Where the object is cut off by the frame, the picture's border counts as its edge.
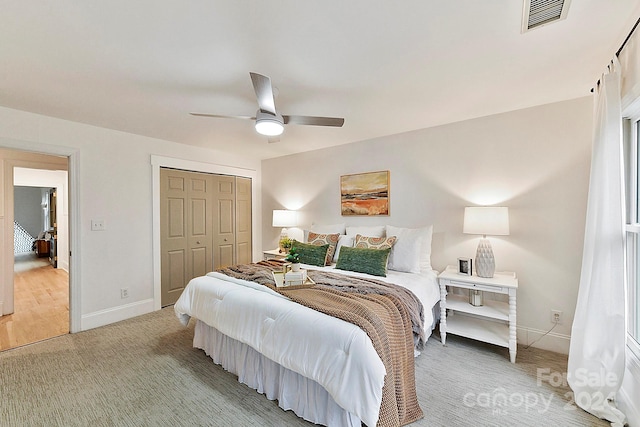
(41, 305)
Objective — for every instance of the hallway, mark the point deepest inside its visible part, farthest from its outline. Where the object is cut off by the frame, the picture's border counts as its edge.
(41, 303)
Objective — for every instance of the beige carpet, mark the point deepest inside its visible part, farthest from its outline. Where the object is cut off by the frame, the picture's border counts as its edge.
(144, 372)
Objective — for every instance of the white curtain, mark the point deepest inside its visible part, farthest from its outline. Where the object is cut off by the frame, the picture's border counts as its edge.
(597, 350)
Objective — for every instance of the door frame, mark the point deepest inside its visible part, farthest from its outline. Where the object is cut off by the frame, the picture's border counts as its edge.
(73, 167)
(158, 162)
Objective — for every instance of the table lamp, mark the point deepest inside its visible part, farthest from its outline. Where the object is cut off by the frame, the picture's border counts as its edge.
(284, 218)
(486, 220)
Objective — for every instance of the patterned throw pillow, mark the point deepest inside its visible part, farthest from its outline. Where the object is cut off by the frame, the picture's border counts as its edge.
(361, 260)
(311, 254)
(374, 242)
(325, 239)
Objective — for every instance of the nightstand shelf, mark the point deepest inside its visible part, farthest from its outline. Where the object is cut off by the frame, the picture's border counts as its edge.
(478, 329)
(494, 322)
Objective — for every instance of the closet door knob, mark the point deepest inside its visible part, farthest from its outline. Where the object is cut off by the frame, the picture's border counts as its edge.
(198, 242)
(225, 239)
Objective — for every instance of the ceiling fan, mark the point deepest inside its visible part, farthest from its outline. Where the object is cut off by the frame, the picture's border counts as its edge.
(268, 121)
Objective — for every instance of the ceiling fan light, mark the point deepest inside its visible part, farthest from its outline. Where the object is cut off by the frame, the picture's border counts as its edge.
(269, 126)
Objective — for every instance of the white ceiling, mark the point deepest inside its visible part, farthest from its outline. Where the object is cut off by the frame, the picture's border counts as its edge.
(387, 67)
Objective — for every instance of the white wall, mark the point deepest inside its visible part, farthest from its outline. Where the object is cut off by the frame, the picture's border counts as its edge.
(535, 161)
(28, 210)
(114, 180)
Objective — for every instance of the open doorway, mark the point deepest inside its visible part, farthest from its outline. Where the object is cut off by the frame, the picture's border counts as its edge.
(41, 262)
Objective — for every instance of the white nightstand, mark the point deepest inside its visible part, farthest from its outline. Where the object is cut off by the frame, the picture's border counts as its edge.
(273, 254)
(494, 322)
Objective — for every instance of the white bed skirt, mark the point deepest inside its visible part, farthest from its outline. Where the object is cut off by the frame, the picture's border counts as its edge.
(305, 397)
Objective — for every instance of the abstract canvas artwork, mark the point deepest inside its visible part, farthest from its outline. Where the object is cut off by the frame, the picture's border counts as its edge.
(365, 194)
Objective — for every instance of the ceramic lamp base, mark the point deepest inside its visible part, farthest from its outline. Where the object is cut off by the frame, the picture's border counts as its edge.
(485, 263)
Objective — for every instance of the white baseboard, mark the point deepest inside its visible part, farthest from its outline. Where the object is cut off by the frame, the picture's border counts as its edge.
(115, 314)
(1, 308)
(558, 343)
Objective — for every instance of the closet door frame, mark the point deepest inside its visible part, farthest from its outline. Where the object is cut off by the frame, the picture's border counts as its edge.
(158, 162)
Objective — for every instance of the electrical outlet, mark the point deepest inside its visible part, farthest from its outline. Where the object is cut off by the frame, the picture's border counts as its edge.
(556, 317)
(124, 293)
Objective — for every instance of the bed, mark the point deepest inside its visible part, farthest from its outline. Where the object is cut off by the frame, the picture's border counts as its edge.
(323, 368)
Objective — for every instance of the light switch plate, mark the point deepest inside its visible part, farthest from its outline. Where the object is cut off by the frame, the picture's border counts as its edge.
(98, 225)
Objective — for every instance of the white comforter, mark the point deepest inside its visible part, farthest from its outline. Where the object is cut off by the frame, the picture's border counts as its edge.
(336, 354)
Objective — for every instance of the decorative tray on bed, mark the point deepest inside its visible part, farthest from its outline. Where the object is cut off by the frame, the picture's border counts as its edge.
(278, 276)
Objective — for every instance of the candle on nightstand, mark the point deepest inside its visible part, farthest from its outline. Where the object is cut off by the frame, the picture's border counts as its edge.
(475, 297)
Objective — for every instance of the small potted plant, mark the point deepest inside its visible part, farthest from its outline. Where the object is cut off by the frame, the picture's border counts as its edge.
(285, 244)
(294, 258)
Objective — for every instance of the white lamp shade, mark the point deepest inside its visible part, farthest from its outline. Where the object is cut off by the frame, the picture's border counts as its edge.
(284, 218)
(486, 220)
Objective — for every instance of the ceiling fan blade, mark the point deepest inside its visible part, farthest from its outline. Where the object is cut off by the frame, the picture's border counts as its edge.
(222, 117)
(264, 92)
(313, 121)
(273, 139)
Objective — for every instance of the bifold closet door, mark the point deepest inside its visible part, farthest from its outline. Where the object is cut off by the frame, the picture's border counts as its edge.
(243, 221)
(224, 228)
(186, 226)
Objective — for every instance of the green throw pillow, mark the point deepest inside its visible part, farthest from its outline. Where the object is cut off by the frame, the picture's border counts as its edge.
(370, 261)
(311, 254)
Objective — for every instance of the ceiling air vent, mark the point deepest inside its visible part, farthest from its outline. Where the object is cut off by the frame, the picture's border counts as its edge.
(540, 12)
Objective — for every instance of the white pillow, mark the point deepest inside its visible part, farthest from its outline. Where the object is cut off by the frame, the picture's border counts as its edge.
(425, 253)
(412, 250)
(374, 231)
(327, 229)
(343, 240)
